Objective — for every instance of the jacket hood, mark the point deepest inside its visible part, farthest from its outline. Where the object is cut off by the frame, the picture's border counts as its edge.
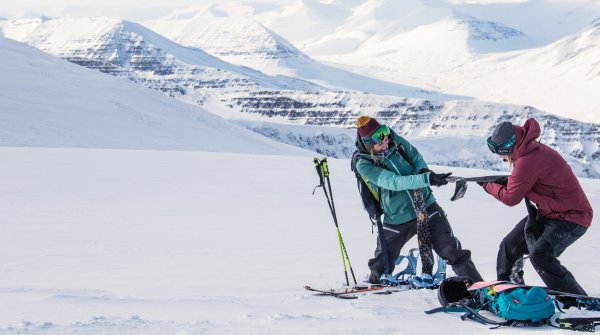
(526, 137)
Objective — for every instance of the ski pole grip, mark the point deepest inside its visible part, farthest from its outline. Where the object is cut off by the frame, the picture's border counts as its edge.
(324, 167)
(319, 170)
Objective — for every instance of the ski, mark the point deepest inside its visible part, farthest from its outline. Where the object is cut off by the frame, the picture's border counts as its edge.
(350, 293)
(579, 324)
(569, 295)
(345, 293)
(581, 301)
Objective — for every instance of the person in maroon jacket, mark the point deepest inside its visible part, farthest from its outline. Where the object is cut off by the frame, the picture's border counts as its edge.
(562, 213)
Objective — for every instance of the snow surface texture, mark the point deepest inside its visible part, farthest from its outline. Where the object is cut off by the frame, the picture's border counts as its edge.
(157, 242)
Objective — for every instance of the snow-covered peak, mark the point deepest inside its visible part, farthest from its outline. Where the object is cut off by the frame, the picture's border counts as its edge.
(226, 36)
(127, 44)
(488, 36)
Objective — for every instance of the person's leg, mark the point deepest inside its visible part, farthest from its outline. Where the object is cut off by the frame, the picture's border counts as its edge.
(396, 237)
(557, 236)
(447, 246)
(511, 250)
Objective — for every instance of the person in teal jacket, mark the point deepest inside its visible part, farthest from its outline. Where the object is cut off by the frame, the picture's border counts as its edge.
(383, 166)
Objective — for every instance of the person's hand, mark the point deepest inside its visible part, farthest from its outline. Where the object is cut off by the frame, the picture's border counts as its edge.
(502, 181)
(438, 179)
(423, 170)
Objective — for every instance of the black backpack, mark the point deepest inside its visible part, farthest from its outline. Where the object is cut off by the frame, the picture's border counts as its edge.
(369, 195)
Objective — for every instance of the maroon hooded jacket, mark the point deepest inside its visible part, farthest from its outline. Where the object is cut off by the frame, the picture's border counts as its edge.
(544, 177)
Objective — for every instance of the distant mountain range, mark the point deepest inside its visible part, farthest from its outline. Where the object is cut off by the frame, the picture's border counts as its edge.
(310, 93)
(540, 53)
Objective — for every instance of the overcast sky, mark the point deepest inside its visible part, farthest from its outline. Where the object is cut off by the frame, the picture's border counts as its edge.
(135, 9)
(126, 9)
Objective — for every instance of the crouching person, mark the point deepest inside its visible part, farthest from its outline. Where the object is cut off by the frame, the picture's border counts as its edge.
(562, 213)
(395, 169)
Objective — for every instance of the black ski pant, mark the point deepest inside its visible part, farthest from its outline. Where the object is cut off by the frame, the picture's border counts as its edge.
(443, 243)
(556, 237)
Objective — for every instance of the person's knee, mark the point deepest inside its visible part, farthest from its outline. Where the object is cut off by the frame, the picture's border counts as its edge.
(455, 256)
(538, 258)
(507, 244)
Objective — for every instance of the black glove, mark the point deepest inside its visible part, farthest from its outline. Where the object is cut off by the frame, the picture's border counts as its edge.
(533, 227)
(423, 170)
(438, 179)
(502, 181)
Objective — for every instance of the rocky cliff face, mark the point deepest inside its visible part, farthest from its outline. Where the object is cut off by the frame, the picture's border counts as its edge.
(454, 133)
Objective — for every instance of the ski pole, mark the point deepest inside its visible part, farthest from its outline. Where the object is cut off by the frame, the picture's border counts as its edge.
(342, 244)
(323, 172)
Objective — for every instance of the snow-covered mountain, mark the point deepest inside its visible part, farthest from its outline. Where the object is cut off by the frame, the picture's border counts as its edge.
(487, 53)
(125, 49)
(451, 134)
(246, 42)
(48, 102)
(467, 48)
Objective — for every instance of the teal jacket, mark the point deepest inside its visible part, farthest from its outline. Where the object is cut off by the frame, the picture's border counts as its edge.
(395, 179)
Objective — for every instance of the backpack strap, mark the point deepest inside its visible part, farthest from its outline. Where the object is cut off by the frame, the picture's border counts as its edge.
(403, 152)
(473, 314)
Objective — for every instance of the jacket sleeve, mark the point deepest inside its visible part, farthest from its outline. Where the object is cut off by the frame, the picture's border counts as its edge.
(521, 181)
(416, 159)
(389, 180)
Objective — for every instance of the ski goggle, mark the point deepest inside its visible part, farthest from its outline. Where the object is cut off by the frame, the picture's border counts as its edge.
(505, 148)
(382, 132)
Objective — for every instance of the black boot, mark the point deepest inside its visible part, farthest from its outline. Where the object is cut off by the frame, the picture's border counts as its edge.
(374, 278)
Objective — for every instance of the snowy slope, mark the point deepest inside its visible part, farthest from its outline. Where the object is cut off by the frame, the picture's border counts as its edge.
(47, 102)
(149, 242)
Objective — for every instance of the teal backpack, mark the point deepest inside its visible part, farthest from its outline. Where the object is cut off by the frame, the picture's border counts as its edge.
(514, 304)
